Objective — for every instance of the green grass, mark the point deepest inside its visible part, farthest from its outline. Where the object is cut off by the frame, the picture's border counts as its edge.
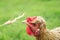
(9, 9)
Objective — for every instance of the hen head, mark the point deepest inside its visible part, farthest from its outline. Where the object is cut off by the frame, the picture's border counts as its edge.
(35, 25)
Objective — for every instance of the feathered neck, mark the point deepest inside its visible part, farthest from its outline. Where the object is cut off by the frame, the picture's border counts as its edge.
(42, 34)
(47, 35)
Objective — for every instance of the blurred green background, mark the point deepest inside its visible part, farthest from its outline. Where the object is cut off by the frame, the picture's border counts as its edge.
(9, 9)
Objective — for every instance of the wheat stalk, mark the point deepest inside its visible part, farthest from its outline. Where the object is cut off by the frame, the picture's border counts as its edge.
(13, 20)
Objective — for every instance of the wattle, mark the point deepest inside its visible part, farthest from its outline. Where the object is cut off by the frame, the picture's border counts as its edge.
(29, 32)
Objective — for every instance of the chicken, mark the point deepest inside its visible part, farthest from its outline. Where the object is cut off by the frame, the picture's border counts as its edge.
(36, 26)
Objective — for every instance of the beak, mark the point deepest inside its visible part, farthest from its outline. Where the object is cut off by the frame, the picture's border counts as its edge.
(24, 21)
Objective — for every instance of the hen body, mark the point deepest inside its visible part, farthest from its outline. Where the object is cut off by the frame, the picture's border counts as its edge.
(44, 33)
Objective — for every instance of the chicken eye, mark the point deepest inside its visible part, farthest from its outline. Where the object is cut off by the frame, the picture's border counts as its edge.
(33, 24)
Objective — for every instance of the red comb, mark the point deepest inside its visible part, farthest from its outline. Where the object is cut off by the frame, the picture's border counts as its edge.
(30, 19)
